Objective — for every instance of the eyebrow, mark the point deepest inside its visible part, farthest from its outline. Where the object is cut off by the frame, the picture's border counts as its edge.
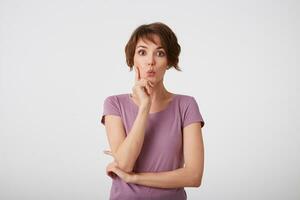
(160, 47)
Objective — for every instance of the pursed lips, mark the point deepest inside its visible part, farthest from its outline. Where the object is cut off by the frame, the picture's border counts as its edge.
(150, 73)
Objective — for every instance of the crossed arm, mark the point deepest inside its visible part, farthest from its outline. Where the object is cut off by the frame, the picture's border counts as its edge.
(188, 176)
(170, 179)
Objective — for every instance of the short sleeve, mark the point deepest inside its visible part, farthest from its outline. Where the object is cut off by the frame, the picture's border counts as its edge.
(192, 113)
(110, 107)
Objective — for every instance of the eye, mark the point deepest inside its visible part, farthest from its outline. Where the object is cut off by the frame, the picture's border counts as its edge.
(141, 52)
(161, 53)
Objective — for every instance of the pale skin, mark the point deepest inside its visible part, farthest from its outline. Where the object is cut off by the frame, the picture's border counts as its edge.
(151, 96)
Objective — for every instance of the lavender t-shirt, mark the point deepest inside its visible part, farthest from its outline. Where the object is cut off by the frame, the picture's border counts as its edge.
(162, 148)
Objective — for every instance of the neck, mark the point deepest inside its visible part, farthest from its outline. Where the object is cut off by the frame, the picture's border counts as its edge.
(159, 92)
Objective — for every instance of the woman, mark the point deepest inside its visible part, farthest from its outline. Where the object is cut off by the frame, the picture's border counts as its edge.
(154, 135)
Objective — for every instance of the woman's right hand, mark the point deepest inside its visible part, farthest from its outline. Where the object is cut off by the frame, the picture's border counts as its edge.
(142, 89)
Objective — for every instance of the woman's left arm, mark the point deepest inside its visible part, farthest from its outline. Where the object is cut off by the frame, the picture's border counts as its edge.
(188, 176)
(170, 179)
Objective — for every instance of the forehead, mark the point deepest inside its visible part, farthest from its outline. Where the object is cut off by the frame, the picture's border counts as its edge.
(149, 40)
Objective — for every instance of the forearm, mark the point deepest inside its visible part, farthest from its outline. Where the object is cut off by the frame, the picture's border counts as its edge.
(178, 178)
(128, 152)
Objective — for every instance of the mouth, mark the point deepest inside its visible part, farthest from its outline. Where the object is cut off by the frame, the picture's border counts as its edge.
(150, 74)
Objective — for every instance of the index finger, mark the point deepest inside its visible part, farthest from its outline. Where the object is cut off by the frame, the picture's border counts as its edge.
(137, 73)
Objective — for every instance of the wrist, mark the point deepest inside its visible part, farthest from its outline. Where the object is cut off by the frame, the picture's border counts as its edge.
(144, 108)
(134, 178)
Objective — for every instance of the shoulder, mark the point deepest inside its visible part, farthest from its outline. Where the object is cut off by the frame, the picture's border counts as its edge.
(190, 110)
(185, 99)
(186, 102)
(117, 97)
(115, 104)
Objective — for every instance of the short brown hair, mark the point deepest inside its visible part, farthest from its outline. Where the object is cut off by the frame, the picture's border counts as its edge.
(167, 37)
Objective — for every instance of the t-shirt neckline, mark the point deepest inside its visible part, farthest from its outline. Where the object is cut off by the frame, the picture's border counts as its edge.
(154, 113)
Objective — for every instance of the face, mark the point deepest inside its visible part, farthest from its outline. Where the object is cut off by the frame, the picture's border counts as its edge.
(148, 57)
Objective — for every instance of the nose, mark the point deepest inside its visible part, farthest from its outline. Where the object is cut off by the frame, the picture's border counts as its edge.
(151, 60)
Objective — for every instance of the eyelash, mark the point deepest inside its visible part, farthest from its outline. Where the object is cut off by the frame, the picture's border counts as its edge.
(163, 53)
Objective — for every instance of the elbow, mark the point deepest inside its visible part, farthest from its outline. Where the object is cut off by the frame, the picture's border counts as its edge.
(195, 177)
(123, 164)
(196, 180)
(125, 167)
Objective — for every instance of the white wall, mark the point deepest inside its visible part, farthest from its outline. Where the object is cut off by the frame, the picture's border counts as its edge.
(60, 59)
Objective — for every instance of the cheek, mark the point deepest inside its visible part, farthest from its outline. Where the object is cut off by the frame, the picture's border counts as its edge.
(138, 62)
(160, 73)
(143, 72)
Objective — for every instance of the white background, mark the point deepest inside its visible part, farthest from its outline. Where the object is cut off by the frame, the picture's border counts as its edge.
(60, 59)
